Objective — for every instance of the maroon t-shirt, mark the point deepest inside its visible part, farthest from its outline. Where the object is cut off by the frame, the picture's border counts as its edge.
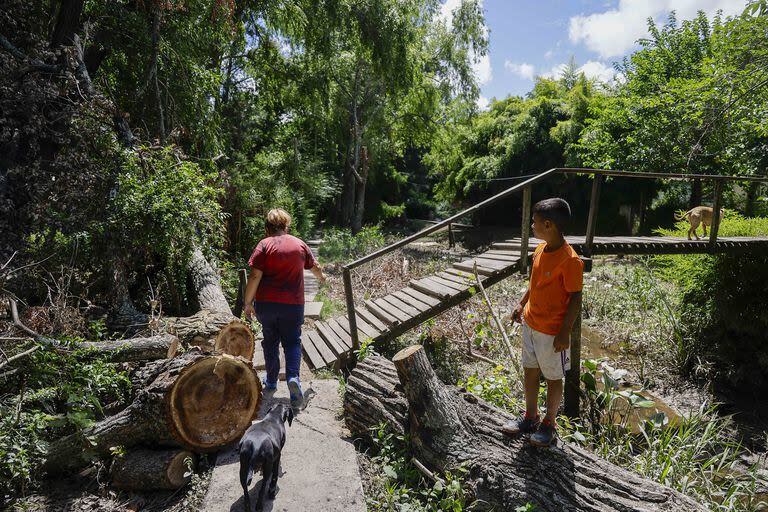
(282, 259)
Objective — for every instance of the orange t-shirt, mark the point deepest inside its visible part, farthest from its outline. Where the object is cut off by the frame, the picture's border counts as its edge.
(554, 275)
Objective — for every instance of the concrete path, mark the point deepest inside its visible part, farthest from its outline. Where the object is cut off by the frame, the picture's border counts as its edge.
(319, 471)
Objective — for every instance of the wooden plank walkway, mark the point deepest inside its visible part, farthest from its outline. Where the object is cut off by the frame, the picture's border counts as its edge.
(330, 343)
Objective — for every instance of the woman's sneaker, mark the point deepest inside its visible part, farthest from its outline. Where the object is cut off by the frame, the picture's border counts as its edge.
(544, 435)
(267, 386)
(522, 425)
(297, 396)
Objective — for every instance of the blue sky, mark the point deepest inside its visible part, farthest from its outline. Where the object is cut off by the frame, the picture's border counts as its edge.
(530, 38)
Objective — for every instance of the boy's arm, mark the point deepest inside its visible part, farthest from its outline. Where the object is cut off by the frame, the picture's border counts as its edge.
(517, 313)
(563, 338)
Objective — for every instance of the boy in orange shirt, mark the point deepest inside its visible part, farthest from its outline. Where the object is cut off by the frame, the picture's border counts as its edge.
(547, 312)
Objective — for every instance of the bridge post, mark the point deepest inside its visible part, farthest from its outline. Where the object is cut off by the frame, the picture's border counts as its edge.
(350, 308)
(716, 214)
(451, 239)
(525, 230)
(592, 219)
(572, 398)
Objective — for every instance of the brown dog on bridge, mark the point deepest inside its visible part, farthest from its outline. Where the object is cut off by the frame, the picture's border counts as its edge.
(698, 215)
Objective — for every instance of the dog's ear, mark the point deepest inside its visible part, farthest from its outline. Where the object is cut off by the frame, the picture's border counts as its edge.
(288, 415)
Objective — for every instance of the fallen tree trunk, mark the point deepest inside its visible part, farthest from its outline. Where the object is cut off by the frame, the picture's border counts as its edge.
(207, 285)
(163, 346)
(196, 401)
(198, 329)
(144, 470)
(449, 427)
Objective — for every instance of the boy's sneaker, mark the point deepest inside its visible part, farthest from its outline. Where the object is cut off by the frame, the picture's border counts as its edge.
(522, 425)
(268, 386)
(544, 435)
(297, 396)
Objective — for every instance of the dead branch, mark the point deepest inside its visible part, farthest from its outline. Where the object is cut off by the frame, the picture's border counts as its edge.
(18, 356)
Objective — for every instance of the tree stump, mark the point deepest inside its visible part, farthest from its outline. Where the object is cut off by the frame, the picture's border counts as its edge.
(235, 339)
(144, 470)
(450, 427)
(197, 401)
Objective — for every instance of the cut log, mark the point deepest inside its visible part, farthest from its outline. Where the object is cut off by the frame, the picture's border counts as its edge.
(449, 427)
(235, 339)
(163, 346)
(206, 283)
(373, 396)
(144, 470)
(196, 401)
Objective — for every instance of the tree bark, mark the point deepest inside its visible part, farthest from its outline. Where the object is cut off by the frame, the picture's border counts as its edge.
(207, 285)
(357, 222)
(162, 346)
(696, 194)
(449, 427)
(143, 470)
(196, 401)
(373, 396)
(67, 22)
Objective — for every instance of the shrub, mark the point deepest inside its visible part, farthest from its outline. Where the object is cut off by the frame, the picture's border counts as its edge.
(60, 394)
(723, 317)
(342, 245)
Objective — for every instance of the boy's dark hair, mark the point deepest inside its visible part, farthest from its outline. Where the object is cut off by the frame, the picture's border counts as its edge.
(555, 210)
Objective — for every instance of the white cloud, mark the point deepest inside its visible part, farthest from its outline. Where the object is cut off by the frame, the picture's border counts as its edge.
(614, 32)
(549, 54)
(483, 102)
(598, 70)
(523, 70)
(482, 69)
(592, 69)
(480, 65)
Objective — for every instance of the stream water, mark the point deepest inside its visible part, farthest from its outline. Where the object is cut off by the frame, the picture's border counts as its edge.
(593, 346)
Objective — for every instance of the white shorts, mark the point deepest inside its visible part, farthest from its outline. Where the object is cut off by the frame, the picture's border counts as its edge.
(539, 352)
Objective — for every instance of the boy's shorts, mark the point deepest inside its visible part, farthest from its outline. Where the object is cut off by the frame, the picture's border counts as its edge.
(539, 352)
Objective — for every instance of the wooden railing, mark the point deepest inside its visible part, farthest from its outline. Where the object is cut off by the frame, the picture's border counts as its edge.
(572, 379)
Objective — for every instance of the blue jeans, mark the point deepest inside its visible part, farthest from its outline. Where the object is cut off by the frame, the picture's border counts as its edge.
(280, 323)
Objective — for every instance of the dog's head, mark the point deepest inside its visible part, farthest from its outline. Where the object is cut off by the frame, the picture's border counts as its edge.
(284, 411)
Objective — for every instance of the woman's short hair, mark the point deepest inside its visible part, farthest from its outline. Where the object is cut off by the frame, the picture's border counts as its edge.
(277, 220)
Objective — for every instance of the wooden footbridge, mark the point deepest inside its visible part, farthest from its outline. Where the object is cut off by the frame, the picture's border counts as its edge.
(333, 341)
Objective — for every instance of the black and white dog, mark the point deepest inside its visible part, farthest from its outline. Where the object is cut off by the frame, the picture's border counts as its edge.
(261, 446)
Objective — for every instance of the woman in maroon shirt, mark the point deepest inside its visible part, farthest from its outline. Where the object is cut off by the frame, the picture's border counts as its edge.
(275, 294)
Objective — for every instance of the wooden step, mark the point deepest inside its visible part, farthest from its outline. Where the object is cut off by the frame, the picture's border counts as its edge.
(381, 314)
(402, 306)
(343, 335)
(392, 310)
(423, 297)
(411, 301)
(315, 359)
(467, 266)
(432, 289)
(361, 336)
(322, 347)
(331, 338)
(372, 319)
(460, 280)
(447, 283)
